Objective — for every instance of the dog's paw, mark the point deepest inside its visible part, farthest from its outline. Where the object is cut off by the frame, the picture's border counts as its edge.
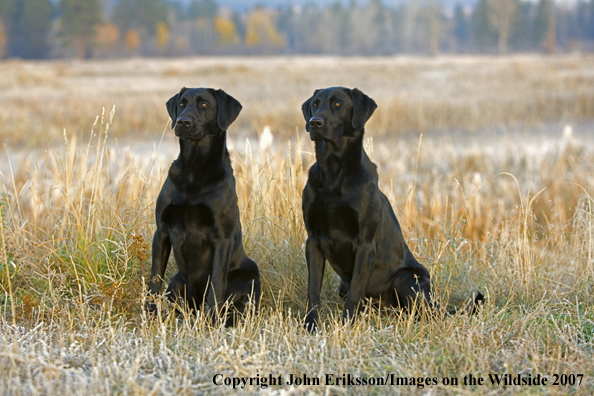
(150, 307)
(348, 317)
(311, 322)
(211, 316)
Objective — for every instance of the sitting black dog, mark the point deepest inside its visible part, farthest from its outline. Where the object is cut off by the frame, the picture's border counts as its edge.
(349, 221)
(197, 213)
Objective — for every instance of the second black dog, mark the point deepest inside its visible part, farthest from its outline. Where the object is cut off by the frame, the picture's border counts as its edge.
(349, 221)
(197, 214)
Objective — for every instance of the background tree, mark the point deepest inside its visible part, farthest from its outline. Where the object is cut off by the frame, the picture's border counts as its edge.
(483, 31)
(367, 24)
(202, 9)
(34, 25)
(409, 24)
(434, 26)
(141, 15)
(107, 38)
(26, 27)
(162, 37)
(226, 30)
(521, 27)
(541, 23)
(504, 12)
(460, 28)
(551, 36)
(3, 39)
(353, 27)
(9, 13)
(261, 30)
(132, 41)
(301, 25)
(194, 31)
(585, 20)
(331, 36)
(78, 20)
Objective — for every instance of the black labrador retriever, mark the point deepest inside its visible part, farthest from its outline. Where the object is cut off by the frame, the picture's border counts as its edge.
(349, 221)
(197, 214)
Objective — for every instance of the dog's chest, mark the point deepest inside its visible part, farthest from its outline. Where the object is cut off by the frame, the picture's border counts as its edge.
(333, 219)
(188, 216)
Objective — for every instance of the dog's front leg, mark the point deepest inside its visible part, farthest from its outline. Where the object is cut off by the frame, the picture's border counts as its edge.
(363, 262)
(161, 251)
(315, 269)
(218, 280)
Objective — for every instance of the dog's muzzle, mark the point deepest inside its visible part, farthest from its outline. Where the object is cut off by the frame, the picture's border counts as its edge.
(186, 128)
(316, 122)
(315, 126)
(184, 122)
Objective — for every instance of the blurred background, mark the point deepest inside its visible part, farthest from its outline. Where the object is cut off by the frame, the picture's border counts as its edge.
(39, 29)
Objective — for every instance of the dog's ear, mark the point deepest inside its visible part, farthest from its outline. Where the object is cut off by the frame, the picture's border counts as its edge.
(306, 109)
(172, 106)
(363, 108)
(228, 109)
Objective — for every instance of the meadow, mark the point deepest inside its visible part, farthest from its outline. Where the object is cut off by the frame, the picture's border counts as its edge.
(488, 163)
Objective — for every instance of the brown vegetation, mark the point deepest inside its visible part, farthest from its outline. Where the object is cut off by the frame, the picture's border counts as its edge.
(508, 215)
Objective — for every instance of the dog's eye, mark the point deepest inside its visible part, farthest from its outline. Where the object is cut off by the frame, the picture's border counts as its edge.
(315, 104)
(204, 105)
(181, 105)
(336, 104)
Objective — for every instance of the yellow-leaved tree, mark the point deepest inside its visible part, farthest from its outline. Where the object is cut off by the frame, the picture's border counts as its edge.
(226, 30)
(107, 37)
(261, 31)
(161, 36)
(132, 40)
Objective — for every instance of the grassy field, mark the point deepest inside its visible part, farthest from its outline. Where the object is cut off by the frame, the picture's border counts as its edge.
(493, 193)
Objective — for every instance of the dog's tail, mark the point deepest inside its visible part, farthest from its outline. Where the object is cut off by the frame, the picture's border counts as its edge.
(471, 307)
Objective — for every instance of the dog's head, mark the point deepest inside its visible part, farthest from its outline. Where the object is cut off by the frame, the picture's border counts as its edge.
(196, 112)
(335, 112)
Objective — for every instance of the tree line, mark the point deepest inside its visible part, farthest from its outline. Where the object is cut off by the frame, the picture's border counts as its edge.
(119, 28)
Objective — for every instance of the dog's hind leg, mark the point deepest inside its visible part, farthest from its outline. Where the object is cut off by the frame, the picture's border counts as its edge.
(176, 291)
(243, 285)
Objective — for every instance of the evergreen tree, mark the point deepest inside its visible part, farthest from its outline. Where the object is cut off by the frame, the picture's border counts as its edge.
(9, 12)
(26, 25)
(460, 28)
(140, 15)
(78, 20)
(202, 9)
(584, 20)
(541, 23)
(519, 38)
(34, 26)
(3, 38)
(482, 32)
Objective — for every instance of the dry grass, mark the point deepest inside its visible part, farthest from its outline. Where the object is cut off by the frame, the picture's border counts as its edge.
(39, 99)
(508, 215)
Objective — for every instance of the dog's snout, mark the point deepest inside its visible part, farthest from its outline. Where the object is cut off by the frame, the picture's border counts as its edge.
(184, 122)
(316, 122)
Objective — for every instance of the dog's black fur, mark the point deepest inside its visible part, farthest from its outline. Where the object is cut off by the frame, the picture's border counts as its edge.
(197, 214)
(349, 221)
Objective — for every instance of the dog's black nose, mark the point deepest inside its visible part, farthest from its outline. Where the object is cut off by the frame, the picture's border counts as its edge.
(184, 122)
(316, 122)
